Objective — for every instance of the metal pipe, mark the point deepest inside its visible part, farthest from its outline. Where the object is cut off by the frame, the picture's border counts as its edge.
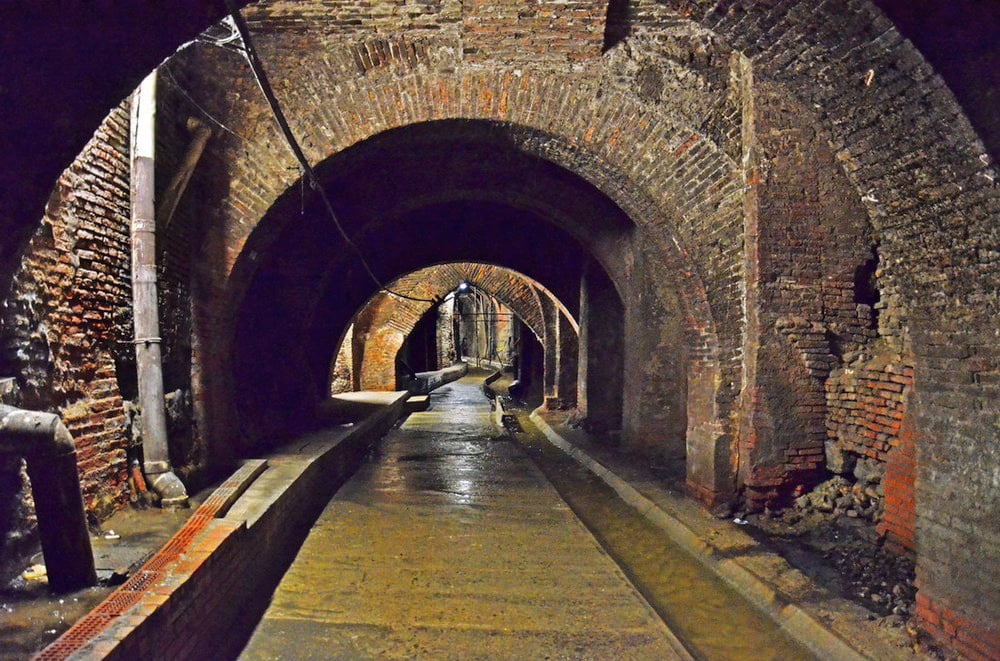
(149, 370)
(43, 440)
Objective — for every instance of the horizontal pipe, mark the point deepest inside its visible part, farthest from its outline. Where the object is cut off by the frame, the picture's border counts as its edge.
(33, 432)
(47, 446)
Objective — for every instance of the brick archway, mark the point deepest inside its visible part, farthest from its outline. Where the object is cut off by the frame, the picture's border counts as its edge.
(623, 121)
(389, 319)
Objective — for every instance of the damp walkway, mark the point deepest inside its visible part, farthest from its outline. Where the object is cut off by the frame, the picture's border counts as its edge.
(449, 543)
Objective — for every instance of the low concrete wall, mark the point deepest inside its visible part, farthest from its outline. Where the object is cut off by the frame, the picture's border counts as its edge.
(428, 381)
(200, 596)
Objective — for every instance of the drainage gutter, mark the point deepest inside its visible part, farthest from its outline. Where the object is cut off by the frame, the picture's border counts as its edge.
(47, 446)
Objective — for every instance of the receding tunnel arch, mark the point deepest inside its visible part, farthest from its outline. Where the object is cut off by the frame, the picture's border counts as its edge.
(365, 358)
(468, 192)
(922, 175)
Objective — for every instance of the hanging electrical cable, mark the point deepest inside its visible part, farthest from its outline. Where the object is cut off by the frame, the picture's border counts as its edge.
(257, 67)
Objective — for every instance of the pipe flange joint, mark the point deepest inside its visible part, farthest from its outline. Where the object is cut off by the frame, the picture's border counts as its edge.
(156, 467)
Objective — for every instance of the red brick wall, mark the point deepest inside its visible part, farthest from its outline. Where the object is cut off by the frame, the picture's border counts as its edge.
(867, 405)
(65, 319)
(898, 524)
(867, 402)
(969, 634)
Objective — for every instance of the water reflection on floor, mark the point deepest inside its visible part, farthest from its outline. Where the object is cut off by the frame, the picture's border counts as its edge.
(449, 543)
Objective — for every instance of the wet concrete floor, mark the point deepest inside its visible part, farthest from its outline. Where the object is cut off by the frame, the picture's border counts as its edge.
(450, 544)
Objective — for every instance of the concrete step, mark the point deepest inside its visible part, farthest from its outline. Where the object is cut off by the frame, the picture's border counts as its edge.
(417, 403)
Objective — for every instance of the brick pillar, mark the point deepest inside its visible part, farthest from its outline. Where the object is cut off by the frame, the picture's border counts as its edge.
(567, 354)
(550, 315)
(600, 374)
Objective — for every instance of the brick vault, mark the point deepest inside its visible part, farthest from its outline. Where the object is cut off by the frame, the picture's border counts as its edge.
(767, 231)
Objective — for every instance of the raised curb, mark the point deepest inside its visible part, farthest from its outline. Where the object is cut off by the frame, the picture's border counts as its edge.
(200, 595)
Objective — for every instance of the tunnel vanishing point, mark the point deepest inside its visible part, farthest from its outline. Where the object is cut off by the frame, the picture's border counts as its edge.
(758, 241)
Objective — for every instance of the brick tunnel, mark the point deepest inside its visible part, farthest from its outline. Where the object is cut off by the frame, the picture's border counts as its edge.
(753, 242)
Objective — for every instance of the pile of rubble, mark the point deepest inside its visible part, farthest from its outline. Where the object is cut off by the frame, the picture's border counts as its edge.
(835, 522)
(861, 499)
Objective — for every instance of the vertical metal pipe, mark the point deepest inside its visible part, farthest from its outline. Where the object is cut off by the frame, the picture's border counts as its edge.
(144, 301)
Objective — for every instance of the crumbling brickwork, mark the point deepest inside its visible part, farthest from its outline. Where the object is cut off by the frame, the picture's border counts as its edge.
(64, 317)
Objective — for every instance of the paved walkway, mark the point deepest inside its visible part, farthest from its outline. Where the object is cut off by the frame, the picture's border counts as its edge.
(450, 544)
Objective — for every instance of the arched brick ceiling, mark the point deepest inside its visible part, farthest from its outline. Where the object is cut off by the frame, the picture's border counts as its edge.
(593, 127)
(386, 320)
(288, 312)
(625, 122)
(514, 290)
(54, 97)
(615, 144)
(765, 32)
(654, 123)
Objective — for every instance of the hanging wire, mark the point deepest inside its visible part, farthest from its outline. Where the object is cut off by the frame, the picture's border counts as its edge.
(257, 67)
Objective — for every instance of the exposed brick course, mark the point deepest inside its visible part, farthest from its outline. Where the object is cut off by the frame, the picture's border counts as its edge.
(65, 319)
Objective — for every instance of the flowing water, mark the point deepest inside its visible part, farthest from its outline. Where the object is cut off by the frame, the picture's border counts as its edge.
(710, 618)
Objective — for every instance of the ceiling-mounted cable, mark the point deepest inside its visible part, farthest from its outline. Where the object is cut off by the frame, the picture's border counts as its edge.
(257, 67)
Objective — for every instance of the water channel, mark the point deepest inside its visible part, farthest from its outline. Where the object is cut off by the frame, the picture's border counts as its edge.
(450, 542)
(711, 619)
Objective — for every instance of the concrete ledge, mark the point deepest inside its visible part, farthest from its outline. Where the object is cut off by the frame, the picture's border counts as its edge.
(428, 381)
(793, 619)
(350, 407)
(417, 403)
(201, 595)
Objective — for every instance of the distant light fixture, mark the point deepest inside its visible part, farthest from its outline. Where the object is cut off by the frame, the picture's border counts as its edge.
(463, 286)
